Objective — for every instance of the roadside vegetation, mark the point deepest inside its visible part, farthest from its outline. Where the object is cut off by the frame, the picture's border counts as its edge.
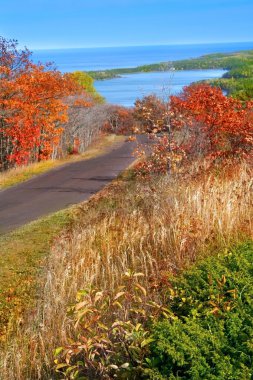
(115, 266)
(152, 277)
(23, 255)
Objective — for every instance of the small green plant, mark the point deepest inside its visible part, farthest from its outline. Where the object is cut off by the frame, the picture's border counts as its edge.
(111, 332)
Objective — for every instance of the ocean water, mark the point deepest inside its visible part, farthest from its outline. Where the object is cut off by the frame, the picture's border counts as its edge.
(68, 60)
(125, 90)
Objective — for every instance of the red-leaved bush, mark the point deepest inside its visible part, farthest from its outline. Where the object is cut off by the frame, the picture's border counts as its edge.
(213, 125)
(199, 124)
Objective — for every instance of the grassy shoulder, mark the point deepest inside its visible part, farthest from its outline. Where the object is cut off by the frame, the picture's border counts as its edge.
(23, 254)
(168, 226)
(21, 174)
(157, 228)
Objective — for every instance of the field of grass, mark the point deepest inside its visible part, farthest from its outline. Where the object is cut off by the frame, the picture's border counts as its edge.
(23, 173)
(158, 228)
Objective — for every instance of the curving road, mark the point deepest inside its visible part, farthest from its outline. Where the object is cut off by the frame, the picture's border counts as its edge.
(61, 187)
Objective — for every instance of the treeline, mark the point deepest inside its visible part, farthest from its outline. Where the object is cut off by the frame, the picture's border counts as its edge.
(226, 61)
(114, 73)
(210, 61)
(238, 82)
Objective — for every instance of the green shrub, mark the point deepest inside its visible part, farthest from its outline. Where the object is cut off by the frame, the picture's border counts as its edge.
(212, 338)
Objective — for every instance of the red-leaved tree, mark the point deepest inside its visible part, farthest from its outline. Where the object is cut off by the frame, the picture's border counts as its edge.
(212, 125)
(119, 120)
(201, 123)
(32, 106)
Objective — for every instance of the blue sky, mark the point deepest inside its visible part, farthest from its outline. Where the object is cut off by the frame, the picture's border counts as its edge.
(91, 23)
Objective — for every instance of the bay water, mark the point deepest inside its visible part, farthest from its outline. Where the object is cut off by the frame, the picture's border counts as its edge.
(126, 89)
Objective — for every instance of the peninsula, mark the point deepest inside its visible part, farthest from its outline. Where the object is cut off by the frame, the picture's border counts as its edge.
(237, 81)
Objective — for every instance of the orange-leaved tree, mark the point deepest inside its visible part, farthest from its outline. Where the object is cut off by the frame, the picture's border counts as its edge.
(119, 120)
(32, 106)
(213, 126)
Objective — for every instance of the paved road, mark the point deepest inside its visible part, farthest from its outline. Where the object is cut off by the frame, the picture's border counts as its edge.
(61, 187)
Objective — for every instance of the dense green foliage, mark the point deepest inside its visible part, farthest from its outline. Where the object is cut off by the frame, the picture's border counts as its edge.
(226, 61)
(213, 333)
(238, 88)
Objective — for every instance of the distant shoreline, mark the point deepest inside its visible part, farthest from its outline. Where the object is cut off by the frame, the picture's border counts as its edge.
(226, 61)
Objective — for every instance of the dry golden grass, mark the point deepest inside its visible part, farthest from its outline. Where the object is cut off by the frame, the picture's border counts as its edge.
(23, 173)
(155, 228)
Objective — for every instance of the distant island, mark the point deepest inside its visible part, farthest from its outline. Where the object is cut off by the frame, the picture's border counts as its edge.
(237, 81)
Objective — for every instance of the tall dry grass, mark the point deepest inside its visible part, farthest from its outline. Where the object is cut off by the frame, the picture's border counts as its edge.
(154, 228)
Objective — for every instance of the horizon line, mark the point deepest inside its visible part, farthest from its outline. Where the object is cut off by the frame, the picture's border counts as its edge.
(144, 45)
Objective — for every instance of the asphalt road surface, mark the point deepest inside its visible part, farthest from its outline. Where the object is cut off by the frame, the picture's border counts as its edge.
(61, 187)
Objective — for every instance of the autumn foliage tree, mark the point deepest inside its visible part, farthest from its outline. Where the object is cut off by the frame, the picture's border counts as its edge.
(152, 114)
(199, 124)
(32, 107)
(119, 120)
(154, 117)
(213, 126)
